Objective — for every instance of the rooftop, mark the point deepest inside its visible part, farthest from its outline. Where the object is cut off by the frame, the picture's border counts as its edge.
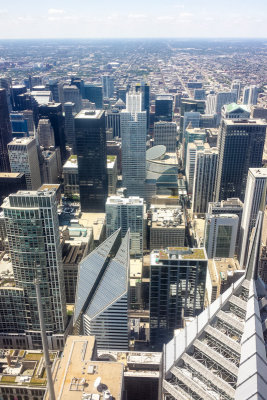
(78, 374)
(169, 218)
(258, 172)
(132, 200)
(23, 368)
(95, 221)
(177, 253)
(89, 114)
(11, 174)
(246, 122)
(23, 141)
(233, 107)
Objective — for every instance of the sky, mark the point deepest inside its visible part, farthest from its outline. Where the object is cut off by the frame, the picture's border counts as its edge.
(133, 19)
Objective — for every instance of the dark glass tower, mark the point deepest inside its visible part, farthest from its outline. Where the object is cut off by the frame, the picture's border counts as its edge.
(53, 111)
(91, 151)
(5, 132)
(94, 94)
(145, 89)
(163, 107)
(241, 144)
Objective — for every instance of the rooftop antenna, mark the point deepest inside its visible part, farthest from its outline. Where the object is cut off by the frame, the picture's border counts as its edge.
(50, 383)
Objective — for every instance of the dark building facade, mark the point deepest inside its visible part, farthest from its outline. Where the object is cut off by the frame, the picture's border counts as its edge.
(241, 144)
(15, 92)
(91, 152)
(163, 107)
(5, 132)
(11, 182)
(94, 94)
(177, 290)
(144, 88)
(53, 111)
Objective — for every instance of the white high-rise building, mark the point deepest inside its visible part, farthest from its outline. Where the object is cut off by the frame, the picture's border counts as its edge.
(127, 213)
(70, 125)
(204, 178)
(165, 133)
(236, 86)
(250, 95)
(215, 102)
(133, 136)
(45, 134)
(220, 235)
(255, 199)
(32, 228)
(191, 157)
(72, 94)
(23, 157)
(108, 86)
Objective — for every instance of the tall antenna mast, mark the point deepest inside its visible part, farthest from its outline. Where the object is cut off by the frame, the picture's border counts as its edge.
(50, 383)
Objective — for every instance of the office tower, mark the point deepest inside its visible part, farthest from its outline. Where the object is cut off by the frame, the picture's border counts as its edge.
(133, 135)
(229, 206)
(240, 145)
(188, 106)
(108, 86)
(92, 159)
(263, 249)
(190, 135)
(15, 91)
(163, 107)
(121, 93)
(79, 83)
(11, 182)
(94, 94)
(112, 174)
(177, 290)
(191, 119)
(70, 125)
(113, 118)
(53, 112)
(235, 111)
(23, 157)
(167, 227)
(144, 88)
(5, 132)
(45, 134)
(208, 121)
(236, 86)
(5, 83)
(52, 85)
(165, 133)
(258, 112)
(220, 235)
(72, 94)
(199, 94)
(19, 124)
(34, 243)
(204, 178)
(215, 102)
(255, 201)
(71, 178)
(191, 159)
(51, 166)
(101, 298)
(127, 213)
(221, 354)
(250, 95)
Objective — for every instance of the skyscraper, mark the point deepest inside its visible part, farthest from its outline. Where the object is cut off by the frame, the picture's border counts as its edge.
(34, 242)
(236, 86)
(70, 125)
(177, 290)
(45, 134)
(5, 132)
(240, 145)
(255, 200)
(220, 235)
(204, 178)
(101, 303)
(250, 95)
(133, 135)
(94, 93)
(191, 159)
(72, 94)
(23, 157)
(215, 102)
(163, 107)
(108, 86)
(221, 354)
(165, 133)
(144, 88)
(92, 159)
(127, 213)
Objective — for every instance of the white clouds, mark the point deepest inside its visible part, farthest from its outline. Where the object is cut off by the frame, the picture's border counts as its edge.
(186, 15)
(137, 16)
(165, 18)
(181, 6)
(55, 11)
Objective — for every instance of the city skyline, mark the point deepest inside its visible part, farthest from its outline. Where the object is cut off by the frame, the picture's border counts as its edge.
(172, 18)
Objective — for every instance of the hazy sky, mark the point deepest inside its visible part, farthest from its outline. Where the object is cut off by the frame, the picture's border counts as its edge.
(135, 18)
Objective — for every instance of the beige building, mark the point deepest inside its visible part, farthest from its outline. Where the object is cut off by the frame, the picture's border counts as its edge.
(78, 376)
(112, 174)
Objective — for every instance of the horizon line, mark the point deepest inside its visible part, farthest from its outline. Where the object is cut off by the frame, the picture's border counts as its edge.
(138, 38)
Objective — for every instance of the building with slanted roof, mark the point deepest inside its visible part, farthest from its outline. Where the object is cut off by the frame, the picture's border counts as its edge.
(102, 293)
(235, 111)
(221, 354)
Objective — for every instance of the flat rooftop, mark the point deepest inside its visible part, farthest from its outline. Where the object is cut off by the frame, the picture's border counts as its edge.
(23, 368)
(89, 114)
(132, 200)
(245, 122)
(21, 141)
(12, 175)
(177, 253)
(258, 172)
(169, 218)
(95, 221)
(78, 374)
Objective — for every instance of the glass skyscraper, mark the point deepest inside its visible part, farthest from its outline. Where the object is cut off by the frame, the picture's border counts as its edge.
(92, 159)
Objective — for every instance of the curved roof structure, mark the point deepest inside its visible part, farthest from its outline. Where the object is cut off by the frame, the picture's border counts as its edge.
(155, 153)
